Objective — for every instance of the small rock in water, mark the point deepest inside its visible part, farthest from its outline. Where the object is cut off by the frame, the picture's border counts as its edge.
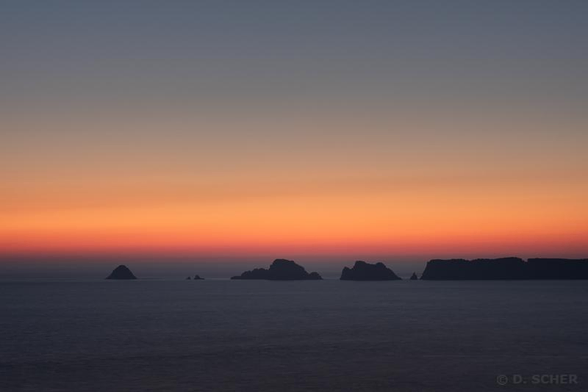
(121, 273)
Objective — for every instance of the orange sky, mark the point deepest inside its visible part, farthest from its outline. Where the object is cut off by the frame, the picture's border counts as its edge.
(389, 129)
(487, 198)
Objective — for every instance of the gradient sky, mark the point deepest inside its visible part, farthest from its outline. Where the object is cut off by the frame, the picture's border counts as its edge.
(314, 129)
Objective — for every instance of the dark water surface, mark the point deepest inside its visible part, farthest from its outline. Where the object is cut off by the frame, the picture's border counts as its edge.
(292, 336)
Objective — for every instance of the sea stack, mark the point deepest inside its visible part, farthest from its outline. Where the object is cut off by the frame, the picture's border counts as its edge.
(280, 269)
(121, 273)
(366, 271)
(197, 277)
(414, 276)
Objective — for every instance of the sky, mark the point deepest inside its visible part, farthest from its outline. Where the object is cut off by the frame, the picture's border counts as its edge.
(323, 131)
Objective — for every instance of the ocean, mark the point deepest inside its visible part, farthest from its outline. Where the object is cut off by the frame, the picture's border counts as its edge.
(222, 335)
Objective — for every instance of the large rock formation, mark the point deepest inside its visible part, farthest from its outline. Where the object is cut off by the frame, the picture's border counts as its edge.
(280, 269)
(460, 269)
(121, 273)
(509, 268)
(557, 269)
(365, 271)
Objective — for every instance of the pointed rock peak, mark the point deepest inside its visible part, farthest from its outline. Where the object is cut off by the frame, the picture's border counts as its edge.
(121, 273)
(414, 276)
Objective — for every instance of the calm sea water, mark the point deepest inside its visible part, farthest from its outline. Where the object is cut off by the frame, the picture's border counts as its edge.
(292, 336)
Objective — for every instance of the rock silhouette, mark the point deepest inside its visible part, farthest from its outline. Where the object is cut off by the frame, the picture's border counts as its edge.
(414, 276)
(197, 277)
(508, 268)
(365, 271)
(557, 269)
(280, 269)
(188, 278)
(121, 273)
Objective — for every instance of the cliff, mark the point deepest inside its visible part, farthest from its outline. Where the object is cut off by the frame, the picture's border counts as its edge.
(569, 269)
(509, 268)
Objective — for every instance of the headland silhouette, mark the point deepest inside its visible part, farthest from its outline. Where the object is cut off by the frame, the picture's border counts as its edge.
(507, 268)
